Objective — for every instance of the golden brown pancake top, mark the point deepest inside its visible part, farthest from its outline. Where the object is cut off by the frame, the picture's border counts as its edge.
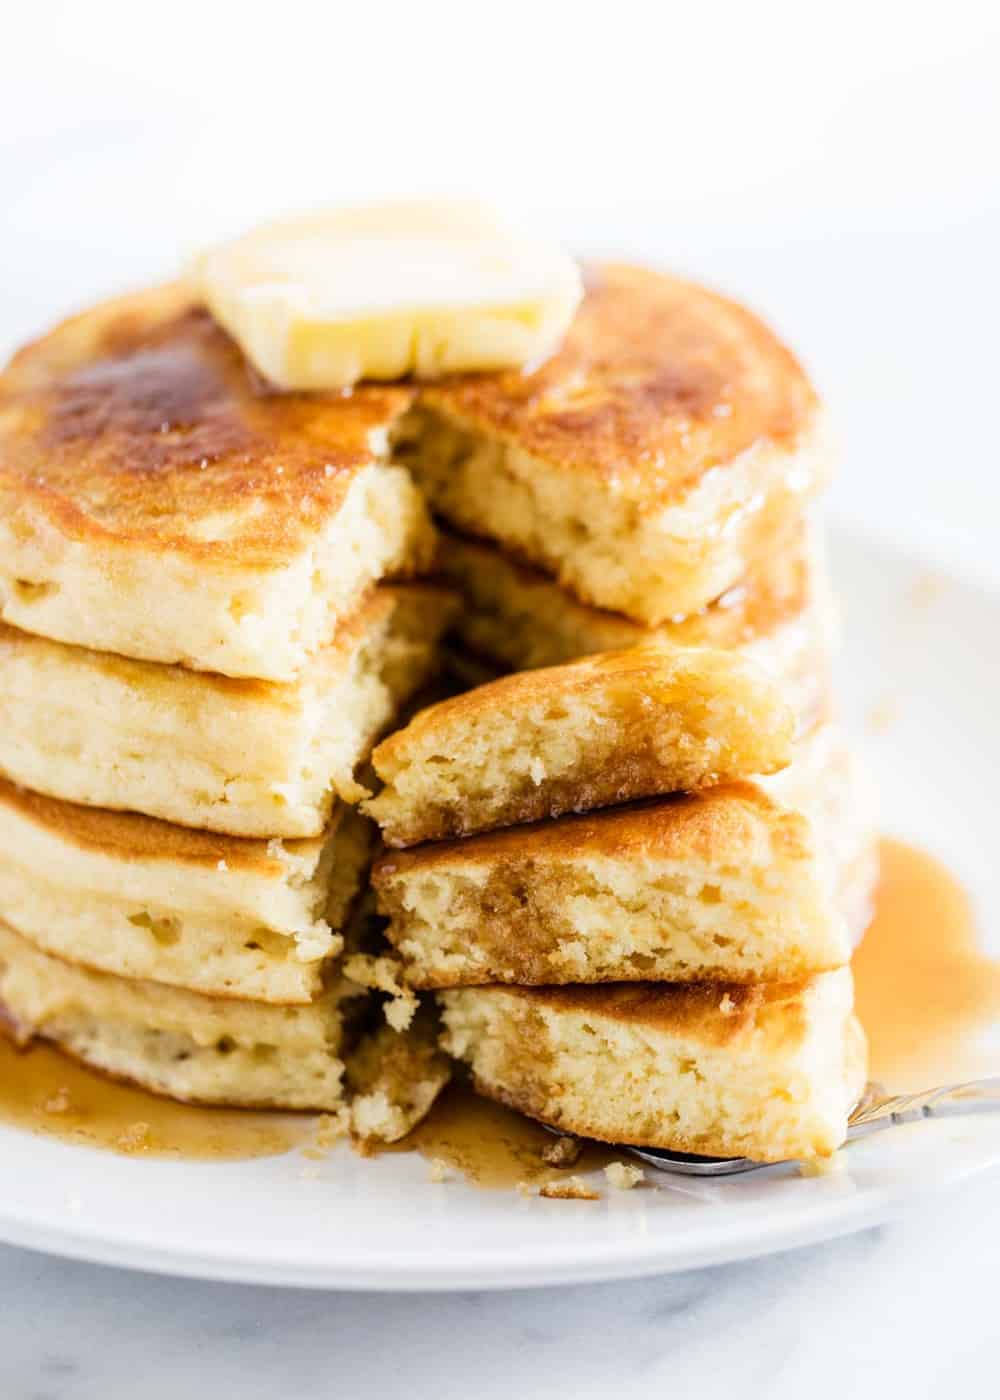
(719, 824)
(131, 836)
(657, 382)
(713, 1013)
(140, 422)
(636, 678)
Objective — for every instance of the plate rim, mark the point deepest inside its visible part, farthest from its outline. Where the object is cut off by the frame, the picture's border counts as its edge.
(497, 1270)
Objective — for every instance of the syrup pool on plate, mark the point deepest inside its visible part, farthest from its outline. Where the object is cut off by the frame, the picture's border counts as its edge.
(49, 1093)
(926, 992)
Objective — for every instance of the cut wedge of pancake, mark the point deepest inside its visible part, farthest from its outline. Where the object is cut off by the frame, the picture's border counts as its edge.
(516, 618)
(245, 757)
(646, 465)
(140, 898)
(394, 1077)
(769, 1071)
(157, 501)
(196, 1048)
(728, 884)
(603, 730)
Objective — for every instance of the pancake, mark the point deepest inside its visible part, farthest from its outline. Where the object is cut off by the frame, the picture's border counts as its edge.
(156, 500)
(516, 618)
(831, 786)
(769, 1071)
(140, 898)
(647, 464)
(195, 1048)
(394, 1078)
(727, 884)
(723, 884)
(245, 757)
(599, 731)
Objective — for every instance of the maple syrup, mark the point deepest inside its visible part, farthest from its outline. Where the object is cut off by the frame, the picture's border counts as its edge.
(925, 991)
(494, 1147)
(49, 1093)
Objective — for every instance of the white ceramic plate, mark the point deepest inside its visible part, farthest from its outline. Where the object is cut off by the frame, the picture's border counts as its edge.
(923, 644)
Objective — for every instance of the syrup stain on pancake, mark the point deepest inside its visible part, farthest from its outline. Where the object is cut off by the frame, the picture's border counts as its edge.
(169, 406)
(925, 991)
(45, 1092)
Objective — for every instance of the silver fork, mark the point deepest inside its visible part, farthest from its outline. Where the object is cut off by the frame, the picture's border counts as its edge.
(875, 1109)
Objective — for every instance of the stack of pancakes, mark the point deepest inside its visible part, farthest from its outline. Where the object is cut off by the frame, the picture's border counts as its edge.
(631, 864)
(197, 652)
(635, 879)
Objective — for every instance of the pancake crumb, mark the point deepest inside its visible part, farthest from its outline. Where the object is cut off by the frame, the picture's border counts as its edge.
(572, 1189)
(564, 1152)
(135, 1138)
(439, 1170)
(624, 1176)
(58, 1102)
(833, 1165)
(400, 1011)
(384, 974)
(330, 1128)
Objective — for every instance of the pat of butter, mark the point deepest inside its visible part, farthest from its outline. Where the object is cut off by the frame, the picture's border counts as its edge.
(322, 301)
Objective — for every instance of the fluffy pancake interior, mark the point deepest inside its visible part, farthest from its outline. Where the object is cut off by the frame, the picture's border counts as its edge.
(180, 1043)
(649, 565)
(769, 1073)
(724, 884)
(394, 1077)
(250, 758)
(139, 898)
(645, 463)
(604, 730)
(781, 615)
(830, 785)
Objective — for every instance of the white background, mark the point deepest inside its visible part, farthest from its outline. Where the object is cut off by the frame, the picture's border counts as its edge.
(837, 166)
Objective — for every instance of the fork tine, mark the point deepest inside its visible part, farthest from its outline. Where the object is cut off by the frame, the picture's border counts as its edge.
(688, 1164)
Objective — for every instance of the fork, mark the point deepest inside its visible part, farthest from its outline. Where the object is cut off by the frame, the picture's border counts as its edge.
(875, 1109)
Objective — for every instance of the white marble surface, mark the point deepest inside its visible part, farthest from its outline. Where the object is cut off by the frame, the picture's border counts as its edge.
(847, 201)
(908, 1309)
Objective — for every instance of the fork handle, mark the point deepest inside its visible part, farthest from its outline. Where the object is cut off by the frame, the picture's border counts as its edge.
(977, 1096)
